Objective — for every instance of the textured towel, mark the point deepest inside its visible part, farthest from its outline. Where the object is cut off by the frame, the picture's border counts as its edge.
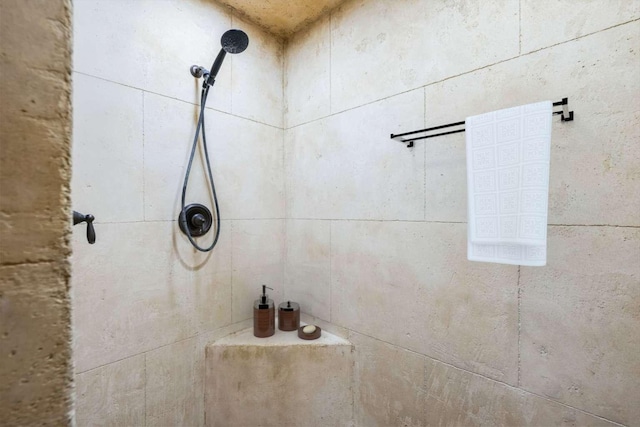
(508, 154)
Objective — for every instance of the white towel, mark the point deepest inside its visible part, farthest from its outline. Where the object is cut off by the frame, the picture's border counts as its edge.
(508, 153)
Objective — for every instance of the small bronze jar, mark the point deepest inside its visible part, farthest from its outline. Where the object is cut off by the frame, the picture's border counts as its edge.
(289, 316)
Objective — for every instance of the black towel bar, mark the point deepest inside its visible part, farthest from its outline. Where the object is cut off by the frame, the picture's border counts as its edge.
(565, 115)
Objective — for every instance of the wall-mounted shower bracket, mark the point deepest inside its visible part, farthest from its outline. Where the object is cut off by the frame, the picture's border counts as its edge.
(565, 115)
(198, 71)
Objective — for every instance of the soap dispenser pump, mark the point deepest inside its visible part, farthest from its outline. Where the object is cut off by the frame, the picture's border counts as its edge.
(264, 315)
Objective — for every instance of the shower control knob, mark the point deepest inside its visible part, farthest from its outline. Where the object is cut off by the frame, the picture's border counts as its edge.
(91, 232)
(198, 220)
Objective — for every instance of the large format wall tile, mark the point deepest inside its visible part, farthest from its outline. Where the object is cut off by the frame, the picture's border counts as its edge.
(410, 284)
(580, 321)
(307, 266)
(307, 74)
(346, 167)
(107, 150)
(389, 390)
(545, 23)
(131, 293)
(151, 44)
(256, 86)
(210, 280)
(246, 161)
(593, 158)
(459, 398)
(112, 395)
(258, 259)
(174, 386)
(379, 48)
(399, 387)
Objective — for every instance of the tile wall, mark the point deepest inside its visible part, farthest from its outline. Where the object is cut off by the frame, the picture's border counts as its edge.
(368, 235)
(144, 302)
(376, 232)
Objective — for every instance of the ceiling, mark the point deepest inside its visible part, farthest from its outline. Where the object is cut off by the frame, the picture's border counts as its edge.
(282, 17)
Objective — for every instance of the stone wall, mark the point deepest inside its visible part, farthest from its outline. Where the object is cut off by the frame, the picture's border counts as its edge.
(376, 232)
(35, 128)
(145, 302)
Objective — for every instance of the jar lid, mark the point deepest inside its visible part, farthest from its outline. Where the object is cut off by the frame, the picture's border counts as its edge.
(289, 306)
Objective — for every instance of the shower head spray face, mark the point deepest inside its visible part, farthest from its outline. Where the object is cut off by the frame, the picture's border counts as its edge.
(234, 41)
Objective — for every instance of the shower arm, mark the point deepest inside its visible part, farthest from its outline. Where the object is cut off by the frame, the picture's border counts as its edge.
(91, 232)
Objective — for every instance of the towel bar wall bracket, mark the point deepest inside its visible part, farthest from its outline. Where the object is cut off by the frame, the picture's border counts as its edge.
(565, 116)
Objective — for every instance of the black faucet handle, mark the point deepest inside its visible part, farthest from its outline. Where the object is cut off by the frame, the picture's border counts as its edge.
(91, 232)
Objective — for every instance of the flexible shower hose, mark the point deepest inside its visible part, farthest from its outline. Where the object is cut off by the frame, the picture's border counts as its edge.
(203, 101)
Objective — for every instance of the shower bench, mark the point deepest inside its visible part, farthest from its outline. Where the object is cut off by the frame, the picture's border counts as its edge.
(279, 381)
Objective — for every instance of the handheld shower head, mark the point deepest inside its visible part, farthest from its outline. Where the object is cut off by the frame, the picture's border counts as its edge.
(233, 41)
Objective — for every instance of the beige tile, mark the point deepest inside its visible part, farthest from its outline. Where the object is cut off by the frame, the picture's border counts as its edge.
(210, 282)
(307, 79)
(131, 292)
(345, 166)
(258, 259)
(250, 168)
(410, 284)
(308, 269)
(107, 150)
(413, 45)
(112, 395)
(274, 382)
(258, 77)
(547, 23)
(388, 384)
(593, 159)
(174, 388)
(578, 314)
(459, 398)
(246, 162)
(169, 128)
(398, 387)
(129, 43)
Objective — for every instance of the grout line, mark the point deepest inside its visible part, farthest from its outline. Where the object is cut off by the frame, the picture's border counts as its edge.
(178, 99)
(485, 377)
(330, 271)
(330, 54)
(343, 219)
(231, 25)
(519, 27)
(424, 165)
(582, 36)
(144, 192)
(231, 266)
(284, 71)
(462, 74)
(519, 326)
(285, 260)
(52, 262)
(144, 352)
(145, 389)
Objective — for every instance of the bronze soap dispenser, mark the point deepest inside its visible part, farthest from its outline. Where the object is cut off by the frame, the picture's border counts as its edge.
(264, 315)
